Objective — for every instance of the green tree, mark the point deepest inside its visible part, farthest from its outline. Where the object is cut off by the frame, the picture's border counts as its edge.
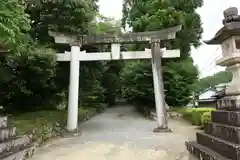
(211, 81)
(111, 69)
(179, 74)
(80, 17)
(32, 75)
(28, 80)
(179, 81)
(105, 25)
(71, 16)
(14, 22)
(147, 15)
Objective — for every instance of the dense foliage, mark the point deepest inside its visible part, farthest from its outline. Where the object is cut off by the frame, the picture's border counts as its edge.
(31, 79)
(179, 74)
(105, 25)
(13, 23)
(72, 16)
(196, 116)
(28, 80)
(111, 73)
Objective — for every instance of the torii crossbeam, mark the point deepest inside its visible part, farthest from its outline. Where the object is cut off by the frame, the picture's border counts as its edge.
(156, 53)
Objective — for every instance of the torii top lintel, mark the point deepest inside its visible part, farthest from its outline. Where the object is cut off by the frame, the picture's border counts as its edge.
(151, 36)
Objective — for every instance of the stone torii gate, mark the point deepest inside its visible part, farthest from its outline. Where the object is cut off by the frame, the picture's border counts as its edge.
(156, 53)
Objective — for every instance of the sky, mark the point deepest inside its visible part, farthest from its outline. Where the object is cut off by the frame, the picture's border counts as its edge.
(211, 15)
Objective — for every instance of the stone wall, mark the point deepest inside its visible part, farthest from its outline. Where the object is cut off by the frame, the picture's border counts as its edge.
(13, 147)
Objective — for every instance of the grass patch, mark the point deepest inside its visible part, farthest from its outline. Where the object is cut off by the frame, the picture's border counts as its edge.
(30, 121)
(43, 120)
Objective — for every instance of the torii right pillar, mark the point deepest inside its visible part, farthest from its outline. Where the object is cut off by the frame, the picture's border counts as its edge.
(221, 138)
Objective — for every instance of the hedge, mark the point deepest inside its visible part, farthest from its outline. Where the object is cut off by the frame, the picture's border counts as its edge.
(197, 116)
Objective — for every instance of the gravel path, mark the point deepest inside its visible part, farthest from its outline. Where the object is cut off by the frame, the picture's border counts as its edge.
(121, 134)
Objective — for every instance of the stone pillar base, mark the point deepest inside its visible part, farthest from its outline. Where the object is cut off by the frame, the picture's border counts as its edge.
(67, 134)
(162, 130)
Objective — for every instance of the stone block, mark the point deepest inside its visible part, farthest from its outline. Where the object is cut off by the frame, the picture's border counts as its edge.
(3, 122)
(13, 143)
(230, 103)
(226, 117)
(198, 151)
(6, 133)
(19, 153)
(225, 148)
(228, 133)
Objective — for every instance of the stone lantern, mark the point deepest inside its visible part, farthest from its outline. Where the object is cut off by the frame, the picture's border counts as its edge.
(221, 137)
(229, 39)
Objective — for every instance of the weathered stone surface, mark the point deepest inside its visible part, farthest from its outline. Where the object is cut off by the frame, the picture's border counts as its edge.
(19, 153)
(225, 148)
(226, 117)
(3, 122)
(151, 36)
(229, 29)
(229, 133)
(12, 147)
(223, 134)
(229, 104)
(231, 15)
(6, 133)
(162, 130)
(201, 152)
(15, 142)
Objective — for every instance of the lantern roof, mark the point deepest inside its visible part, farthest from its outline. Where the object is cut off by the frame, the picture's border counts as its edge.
(231, 26)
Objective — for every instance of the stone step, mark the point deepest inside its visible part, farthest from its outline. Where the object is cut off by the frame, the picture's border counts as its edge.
(226, 117)
(19, 153)
(225, 132)
(203, 153)
(225, 148)
(7, 145)
(6, 133)
(3, 122)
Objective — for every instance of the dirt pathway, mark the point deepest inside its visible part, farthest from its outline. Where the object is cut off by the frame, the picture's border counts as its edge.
(121, 134)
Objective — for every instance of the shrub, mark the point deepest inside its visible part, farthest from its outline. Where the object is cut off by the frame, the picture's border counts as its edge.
(206, 117)
(186, 112)
(197, 116)
(28, 80)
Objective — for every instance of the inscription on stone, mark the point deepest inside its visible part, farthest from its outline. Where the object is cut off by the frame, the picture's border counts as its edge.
(151, 36)
(233, 117)
(120, 39)
(226, 133)
(228, 104)
(226, 117)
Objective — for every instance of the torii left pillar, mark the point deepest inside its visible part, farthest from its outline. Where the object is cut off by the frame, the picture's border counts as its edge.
(72, 122)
